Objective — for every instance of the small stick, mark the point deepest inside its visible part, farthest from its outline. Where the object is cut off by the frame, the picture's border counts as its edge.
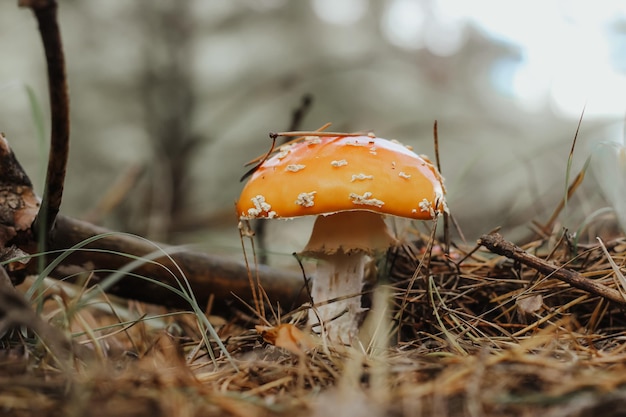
(46, 13)
(436, 141)
(317, 133)
(496, 244)
(296, 119)
(446, 223)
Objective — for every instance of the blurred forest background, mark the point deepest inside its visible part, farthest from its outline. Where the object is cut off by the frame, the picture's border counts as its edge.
(170, 98)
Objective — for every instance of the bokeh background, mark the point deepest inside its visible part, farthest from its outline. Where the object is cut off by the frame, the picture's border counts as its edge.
(170, 98)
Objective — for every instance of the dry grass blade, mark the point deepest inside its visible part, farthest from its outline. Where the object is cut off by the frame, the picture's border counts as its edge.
(618, 273)
(571, 188)
(15, 312)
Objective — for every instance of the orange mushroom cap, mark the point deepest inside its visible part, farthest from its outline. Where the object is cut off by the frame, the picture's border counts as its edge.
(323, 175)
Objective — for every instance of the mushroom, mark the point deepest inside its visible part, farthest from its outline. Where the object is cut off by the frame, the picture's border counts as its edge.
(350, 183)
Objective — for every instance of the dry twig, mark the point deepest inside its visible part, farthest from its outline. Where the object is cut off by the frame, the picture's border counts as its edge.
(46, 13)
(496, 243)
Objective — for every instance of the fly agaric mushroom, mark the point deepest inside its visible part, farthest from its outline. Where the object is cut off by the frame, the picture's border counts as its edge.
(350, 182)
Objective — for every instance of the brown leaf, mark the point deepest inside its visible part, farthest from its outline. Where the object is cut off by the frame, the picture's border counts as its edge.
(286, 336)
(24, 215)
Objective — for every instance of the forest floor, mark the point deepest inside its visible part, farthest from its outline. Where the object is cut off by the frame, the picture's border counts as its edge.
(469, 334)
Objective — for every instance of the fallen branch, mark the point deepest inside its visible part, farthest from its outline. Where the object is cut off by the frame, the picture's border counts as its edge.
(496, 244)
(208, 275)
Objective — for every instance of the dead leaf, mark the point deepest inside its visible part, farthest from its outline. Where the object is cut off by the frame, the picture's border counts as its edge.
(14, 252)
(286, 336)
(530, 304)
(24, 216)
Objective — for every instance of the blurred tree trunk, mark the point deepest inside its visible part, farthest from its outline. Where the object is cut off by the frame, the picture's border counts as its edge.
(166, 89)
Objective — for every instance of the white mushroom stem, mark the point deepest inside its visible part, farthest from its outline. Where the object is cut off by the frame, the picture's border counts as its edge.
(342, 243)
(339, 276)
